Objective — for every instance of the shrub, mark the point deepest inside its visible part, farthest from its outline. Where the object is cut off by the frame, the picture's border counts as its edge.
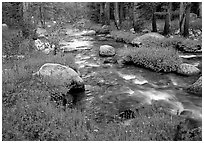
(123, 36)
(12, 36)
(182, 44)
(196, 24)
(26, 46)
(157, 59)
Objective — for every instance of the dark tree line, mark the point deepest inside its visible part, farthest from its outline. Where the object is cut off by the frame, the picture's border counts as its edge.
(137, 13)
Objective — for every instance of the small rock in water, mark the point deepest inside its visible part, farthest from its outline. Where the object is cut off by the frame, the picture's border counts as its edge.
(92, 65)
(85, 58)
(186, 113)
(196, 64)
(80, 62)
(140, 81)
(81, 66)
(129, 91)
(127, 77)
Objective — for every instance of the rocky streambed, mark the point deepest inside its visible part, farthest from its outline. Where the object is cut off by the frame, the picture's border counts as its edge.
(112, 90)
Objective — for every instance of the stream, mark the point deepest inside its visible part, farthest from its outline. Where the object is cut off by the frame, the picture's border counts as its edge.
(111, 89)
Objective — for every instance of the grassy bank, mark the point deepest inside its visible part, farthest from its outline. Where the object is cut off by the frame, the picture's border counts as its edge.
(33, 111)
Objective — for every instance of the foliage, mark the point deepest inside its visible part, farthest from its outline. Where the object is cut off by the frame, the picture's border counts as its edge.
(182, 44)
(11, 14)
(155, 58)
(123, 36)
(196, 24)
(11, 40)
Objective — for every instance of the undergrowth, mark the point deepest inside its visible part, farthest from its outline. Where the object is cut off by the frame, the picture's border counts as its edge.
(154, 58)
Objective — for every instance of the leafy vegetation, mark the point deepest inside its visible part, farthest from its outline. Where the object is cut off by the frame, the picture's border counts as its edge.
(155, 58)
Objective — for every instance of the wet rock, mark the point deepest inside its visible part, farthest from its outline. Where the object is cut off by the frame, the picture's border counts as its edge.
(92, 65)
(106, 50)
(105, 27)
(140, 81)
(68, 48)
(89, 33)
(146, 31)
(102, 39)
(122, 60)
(196, 87)
(187, 69)
(141, 39)
(109, 60)
(127, 77)
(186, 113)
(132, 30)
(109, 36)
(63, 76)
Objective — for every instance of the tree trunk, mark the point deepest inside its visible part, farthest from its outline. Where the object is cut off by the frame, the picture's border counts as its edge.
(200, 9)
(26, 21)
(107, 13)
(25, 11)
(41, 15)
(116, 13)
(181, 17)
(168, 20)
(130, 13)
(121, 12)
(154, 22)
(136, 20)
(187, 20)
(101, 13)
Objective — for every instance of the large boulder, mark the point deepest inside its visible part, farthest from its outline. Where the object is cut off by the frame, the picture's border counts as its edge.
(63, 76)
(196, 88)
(141, 40)
(188, 69)
(107, 50)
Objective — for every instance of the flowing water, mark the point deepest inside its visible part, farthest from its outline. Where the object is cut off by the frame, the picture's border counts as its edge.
(111, 88)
